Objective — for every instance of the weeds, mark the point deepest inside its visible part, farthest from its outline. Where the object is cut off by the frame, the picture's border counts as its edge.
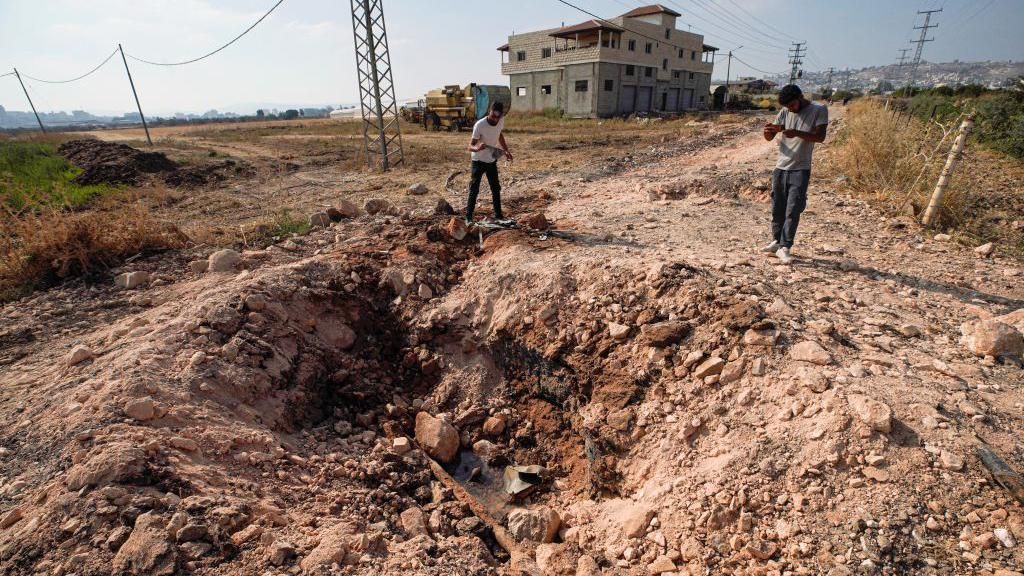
(33, 174)
(896, 168)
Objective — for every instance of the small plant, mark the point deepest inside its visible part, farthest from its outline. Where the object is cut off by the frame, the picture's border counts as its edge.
(33, 174)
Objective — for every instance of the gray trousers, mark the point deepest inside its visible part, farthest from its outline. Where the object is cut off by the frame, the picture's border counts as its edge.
(789, 198)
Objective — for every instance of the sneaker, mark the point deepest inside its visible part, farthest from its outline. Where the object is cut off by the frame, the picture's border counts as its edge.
(771, 248)
(783, 255)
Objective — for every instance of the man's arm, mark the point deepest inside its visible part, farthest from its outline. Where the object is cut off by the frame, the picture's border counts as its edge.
(817, 136)
(476, 145)
(504, 146)
(770, 130)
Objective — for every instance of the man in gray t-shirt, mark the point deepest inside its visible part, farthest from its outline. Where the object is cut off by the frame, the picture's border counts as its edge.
(801, 123)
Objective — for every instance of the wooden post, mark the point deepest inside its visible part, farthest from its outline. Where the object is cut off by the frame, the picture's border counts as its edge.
(131, 83)
(955, 153)
(29, 98)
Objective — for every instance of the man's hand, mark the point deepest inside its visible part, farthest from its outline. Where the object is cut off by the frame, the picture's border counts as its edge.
(508, 155)
(792, 133)
(770, 130)
(478, 147)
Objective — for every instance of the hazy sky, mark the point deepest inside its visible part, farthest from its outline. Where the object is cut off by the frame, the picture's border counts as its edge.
(303, 53)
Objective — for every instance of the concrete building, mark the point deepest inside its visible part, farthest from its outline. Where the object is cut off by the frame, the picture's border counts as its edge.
(636, 62)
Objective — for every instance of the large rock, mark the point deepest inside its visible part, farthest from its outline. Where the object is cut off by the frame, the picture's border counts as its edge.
(664, 333)
(539, 524)
(378, 206)
(320, 220)
(1015, 319)
(754, 337)
(223, 260)
(414, 522)
(148, 550)
(618, 331)
(131, 280)
(418, 189)
(456, 228)
(438, 438)
(875, 414)
(637, 521)
(78, 355)
(348, 209)
(537, 221)
(992, 338)
(141, 409)
(281, 551)
(709, 367)
(810, 351)
(335, 542)
(106, 464)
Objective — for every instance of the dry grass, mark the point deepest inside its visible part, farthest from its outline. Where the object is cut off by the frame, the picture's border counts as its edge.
(896, 167)
(41, 248)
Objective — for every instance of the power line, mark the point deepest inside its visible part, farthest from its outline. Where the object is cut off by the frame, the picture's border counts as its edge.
(736, 58)
(76, 78)
(8, 74)
(742, 22)
(744, 37)
(744, 10)
(235, 39)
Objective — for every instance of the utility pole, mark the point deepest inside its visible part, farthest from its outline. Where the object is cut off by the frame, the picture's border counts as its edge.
(29, 98)
(899, 65)
(728, 70)
(955, 153)
(136, 94)
(920, 45)
(828, 83)
(846, 82)
(382, 136)
(796, 55)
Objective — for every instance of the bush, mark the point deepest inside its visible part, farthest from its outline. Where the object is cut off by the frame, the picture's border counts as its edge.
(45, 246)
(999, 121)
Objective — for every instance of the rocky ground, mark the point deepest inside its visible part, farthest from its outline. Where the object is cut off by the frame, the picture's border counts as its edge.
(692, 405)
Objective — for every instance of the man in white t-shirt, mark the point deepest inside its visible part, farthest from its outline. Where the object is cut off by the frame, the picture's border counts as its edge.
(799, 125)
(487, 145)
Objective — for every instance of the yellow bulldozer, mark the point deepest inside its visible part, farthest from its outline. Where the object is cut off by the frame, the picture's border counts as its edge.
(456, 107)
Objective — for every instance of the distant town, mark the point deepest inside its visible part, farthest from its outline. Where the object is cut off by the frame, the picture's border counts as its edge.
(879, 79)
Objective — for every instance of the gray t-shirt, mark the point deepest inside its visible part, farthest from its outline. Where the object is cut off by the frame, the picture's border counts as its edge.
(795, 153)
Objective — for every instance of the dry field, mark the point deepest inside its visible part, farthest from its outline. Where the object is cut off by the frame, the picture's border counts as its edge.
(361, 396)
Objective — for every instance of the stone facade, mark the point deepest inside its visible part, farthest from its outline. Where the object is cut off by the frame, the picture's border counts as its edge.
(612, 71)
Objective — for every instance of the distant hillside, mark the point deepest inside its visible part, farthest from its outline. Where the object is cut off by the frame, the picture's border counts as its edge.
(992, 74)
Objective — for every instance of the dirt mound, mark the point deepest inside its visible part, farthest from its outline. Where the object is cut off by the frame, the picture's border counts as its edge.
(112, 163)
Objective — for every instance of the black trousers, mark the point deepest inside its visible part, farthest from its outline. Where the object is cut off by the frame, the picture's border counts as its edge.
(789, 198)
(475, 175)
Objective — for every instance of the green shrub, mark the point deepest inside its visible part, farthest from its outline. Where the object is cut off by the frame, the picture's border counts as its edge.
(33, 174)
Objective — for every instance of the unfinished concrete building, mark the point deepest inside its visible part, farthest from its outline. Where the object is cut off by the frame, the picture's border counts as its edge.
(636, 62)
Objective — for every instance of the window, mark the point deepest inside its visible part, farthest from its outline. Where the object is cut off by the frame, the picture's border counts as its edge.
(545, 52)
(521, 56)
(648, 71)
(681, 51)
(630, 69)
(581, 86)
(521, 91)
(609, 85)
(668, 33)
(632, 45)
(647, 48)
(693, 55)
(675, 73)
(545, 89)
(691, 75)
(702, 99)
(664, 63)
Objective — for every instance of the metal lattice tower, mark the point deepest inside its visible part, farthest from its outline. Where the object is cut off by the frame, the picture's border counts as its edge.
(901, 63)
(796, 59)
(382, 135)
(920, 45)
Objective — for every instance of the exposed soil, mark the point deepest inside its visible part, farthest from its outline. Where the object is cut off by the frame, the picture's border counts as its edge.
(115, 163)
(650, 359)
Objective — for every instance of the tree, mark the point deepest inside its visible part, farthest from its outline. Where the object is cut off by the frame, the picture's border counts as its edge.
(291, 114)
(260, 113)
(885, 86)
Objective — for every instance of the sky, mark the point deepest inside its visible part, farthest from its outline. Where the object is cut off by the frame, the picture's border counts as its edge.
(303, 53)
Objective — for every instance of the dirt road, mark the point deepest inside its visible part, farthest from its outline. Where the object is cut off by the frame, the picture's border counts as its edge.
(699, 408)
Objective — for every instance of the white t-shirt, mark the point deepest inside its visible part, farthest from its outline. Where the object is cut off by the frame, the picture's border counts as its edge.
(487, 134)
(795, 153)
